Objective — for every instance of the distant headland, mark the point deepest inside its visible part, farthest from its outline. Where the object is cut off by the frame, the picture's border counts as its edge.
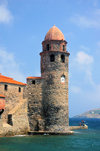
(95, 113)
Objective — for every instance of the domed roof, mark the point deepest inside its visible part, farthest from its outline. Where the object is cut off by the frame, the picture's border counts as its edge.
(54, 33)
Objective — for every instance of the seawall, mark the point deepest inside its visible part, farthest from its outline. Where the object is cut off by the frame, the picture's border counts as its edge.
(78, 127)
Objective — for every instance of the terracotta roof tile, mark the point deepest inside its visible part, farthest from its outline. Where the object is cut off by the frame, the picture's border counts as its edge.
(34, 78)
(54, 33)
(5, 79)
(2, 96)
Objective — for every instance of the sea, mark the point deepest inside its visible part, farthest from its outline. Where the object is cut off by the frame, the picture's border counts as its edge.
(81, 140)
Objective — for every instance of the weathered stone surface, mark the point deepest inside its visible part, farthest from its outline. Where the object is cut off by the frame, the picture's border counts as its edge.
(1, 126)
(54, 45)
(55, 93)
(48, 97)
(19, 121)
(35, 106)
(13, 96)
(19, 118)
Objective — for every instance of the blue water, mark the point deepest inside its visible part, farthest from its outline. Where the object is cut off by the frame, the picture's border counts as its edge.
(82, 140)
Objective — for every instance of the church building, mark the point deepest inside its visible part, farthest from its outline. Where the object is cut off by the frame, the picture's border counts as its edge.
(42, 103)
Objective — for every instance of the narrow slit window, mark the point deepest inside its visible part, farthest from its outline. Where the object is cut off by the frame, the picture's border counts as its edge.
(62, 58)
(52, 58)
(63, 47)
(19, 89)
(47, 47)
(5, 87)
(33, 81)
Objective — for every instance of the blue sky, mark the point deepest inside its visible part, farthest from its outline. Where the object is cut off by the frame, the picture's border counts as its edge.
(23, 26)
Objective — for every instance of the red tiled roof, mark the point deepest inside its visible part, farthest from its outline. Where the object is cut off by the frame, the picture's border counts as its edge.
(2, 96)
(34, 78)
(54, 33)
(5, 79)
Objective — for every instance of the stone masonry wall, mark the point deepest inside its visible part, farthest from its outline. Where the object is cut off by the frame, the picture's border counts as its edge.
(13, 96)
(20, 122)
(1, 125)
(54, 45)
(35, 108)
(55, 93)
(58, 45)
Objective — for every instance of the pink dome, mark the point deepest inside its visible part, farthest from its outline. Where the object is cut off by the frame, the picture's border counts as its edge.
(54, 33)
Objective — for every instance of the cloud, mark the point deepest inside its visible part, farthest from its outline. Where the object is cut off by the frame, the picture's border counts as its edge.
(9, 66)
(5, 14)
(83, 63)
(92, 21)
(88, 75)
(83, 89)
(83, 58)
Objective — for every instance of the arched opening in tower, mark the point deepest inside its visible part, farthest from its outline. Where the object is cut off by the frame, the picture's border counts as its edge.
(52, 58)
(47, 47)
(63, 47)
(62, 58)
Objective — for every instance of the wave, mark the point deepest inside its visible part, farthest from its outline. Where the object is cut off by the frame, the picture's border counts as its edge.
(77, 132)
(20, 135)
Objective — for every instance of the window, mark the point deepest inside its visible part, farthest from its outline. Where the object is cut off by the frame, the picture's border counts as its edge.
(1, 111)
(63, 78)
(52, 58)
(10, 122)
(19, 89)
(33, 81)
(62, 58)
(47, 47)
(63, 47)
(6, 87)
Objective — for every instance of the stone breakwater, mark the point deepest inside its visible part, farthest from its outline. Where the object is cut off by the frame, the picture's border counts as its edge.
(78, 127)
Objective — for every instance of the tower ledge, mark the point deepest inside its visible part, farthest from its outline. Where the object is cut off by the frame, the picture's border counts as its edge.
(66, 52)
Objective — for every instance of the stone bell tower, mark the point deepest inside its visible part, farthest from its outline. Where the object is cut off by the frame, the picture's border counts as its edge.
(54, 70)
